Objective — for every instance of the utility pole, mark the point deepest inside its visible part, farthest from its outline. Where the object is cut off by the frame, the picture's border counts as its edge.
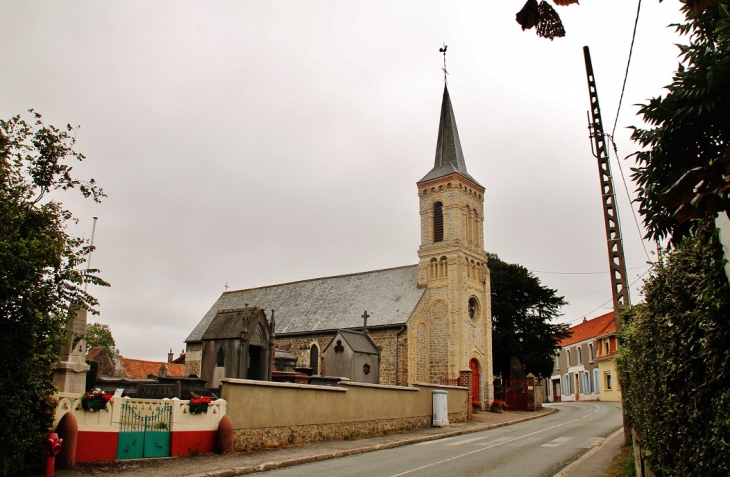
(616, 260)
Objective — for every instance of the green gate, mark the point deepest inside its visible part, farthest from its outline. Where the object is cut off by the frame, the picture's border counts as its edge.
(144, 435)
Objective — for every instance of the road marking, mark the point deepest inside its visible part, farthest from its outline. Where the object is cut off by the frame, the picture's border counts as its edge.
(466, 441)
(557, 442)
(592, 442)
(568, 468)
(491, 446)
(495, 441)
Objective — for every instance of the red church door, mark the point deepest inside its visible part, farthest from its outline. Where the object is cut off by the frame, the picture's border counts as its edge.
(475, 394)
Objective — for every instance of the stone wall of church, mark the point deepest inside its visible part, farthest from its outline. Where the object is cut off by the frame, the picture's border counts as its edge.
(386, 339)
(439, 340)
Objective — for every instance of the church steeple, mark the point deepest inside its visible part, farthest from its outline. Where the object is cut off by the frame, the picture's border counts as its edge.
(449, 156)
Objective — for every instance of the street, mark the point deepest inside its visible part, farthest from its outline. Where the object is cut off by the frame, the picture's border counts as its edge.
(536, 448)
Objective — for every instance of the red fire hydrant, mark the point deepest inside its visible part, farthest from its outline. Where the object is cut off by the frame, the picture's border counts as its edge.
(53, 447)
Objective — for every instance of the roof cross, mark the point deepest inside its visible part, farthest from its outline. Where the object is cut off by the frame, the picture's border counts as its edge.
(443, 50)
(365, 317)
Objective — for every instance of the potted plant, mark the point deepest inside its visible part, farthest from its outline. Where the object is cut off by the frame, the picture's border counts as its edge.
(199, 404)
(498, 406)
(95, 400)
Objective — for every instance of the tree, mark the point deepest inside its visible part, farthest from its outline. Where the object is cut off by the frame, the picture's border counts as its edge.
(522, 309)
(98, 334)
(684, 171)
(547, 23)
(673, 360)
(40, 279)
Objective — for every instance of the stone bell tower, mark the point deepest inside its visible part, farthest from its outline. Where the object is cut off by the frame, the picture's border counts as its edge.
(457, 333)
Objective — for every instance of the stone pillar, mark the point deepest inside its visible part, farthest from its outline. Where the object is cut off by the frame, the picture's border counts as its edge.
(465, 381)
(69, 373)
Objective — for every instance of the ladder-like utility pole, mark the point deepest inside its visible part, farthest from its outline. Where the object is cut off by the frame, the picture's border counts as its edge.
(617, 262)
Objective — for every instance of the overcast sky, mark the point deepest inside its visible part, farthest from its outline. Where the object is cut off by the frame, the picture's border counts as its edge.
(257, 143)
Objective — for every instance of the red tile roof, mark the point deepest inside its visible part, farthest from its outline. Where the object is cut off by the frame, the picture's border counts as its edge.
(138, 368)
(601, 325)
(93, 352)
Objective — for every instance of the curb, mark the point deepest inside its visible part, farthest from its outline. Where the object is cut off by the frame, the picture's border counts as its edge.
(360, 450)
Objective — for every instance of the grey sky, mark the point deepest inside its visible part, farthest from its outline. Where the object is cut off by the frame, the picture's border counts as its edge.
(267, 142)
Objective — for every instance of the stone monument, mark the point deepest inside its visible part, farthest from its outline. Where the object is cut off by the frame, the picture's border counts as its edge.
(69, 373)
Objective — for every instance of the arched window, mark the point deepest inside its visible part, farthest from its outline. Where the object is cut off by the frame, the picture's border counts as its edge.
(433, 271)
(314, 359)
(438, 222)
(220, 359)
(443, 268)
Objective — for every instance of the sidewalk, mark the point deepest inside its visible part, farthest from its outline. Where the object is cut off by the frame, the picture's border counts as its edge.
(216, 465)
(597, 461)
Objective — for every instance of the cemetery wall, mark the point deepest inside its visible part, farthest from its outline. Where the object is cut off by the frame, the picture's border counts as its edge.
(267, 414)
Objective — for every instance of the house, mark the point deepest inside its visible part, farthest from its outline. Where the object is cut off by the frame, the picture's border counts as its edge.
(585, 368)
(431, 320)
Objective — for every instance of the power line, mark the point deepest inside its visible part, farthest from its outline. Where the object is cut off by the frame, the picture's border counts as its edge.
(606, 302)
(626, 74)
(582, 273)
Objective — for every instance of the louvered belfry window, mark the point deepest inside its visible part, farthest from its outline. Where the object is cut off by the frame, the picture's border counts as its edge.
(438, 222)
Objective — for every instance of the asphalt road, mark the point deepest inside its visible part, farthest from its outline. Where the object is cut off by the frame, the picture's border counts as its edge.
(536, 448)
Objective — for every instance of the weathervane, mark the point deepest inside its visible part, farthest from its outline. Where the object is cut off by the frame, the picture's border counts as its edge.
(443, 50)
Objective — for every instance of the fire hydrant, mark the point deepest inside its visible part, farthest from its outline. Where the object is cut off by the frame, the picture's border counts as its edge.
(53, 447)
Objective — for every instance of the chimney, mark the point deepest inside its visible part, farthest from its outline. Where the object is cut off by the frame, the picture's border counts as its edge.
(170, 356)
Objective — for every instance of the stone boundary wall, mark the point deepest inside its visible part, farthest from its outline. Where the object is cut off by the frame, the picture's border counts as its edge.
(267, 414)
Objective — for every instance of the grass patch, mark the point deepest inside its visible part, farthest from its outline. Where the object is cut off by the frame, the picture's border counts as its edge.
(623, 464)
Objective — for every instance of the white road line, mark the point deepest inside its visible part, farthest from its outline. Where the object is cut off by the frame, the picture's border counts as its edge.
(495, 441)
(491, 446)
(557, 442)
(568, 468)
(466, 441)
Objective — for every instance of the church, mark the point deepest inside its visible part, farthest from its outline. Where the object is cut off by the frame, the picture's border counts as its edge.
(431, 320)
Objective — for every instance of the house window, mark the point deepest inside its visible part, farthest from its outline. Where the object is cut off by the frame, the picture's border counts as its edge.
(580, 355)
(438, 222)
(608, 381)
(567, 356)
(606, 347)
(587, 382)
(566, 384)
(596, 384)
(590, 352)
(557, 361)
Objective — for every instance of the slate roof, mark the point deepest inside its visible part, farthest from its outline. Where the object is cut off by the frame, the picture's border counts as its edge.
(358, 341)
(330, 303)
(449, 156)
(591, 329)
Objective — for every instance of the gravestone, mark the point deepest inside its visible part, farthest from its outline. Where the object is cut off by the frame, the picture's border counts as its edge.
(69, 373)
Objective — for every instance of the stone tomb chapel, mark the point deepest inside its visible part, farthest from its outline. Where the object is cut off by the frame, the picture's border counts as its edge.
(431, 320)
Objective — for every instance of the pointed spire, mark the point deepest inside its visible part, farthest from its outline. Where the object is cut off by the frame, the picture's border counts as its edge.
(449, 157)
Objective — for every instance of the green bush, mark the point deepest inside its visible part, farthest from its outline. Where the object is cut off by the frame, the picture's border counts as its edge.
(674, 362)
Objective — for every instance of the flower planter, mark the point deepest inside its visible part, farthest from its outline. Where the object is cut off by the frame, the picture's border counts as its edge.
(93, 404)
(198, 408)
(496, 409)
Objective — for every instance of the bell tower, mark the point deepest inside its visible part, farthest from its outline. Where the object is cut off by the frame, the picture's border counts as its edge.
(453, 267)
